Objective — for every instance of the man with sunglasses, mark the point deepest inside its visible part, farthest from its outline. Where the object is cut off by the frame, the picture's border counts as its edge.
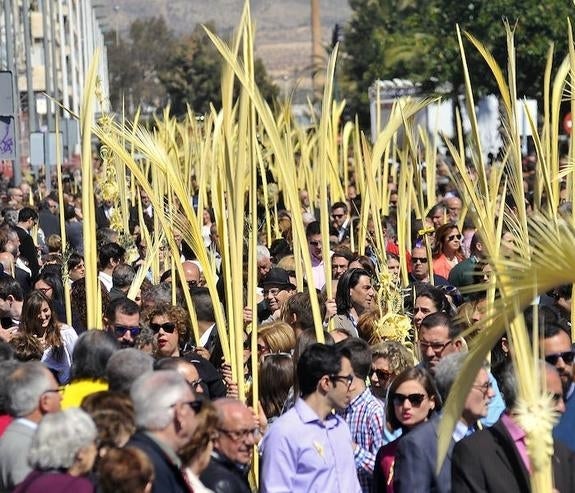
(558, 351)
(420, 268)
(229, 465)
(165, 409)
(340, 220)
(309, 448)
(122, 320)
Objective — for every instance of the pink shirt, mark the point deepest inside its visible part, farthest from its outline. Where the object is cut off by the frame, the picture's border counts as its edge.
(518, 435)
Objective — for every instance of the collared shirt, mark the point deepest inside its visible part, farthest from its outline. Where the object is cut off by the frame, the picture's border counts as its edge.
(106, 280)
(303, 454)
(26, 422)
(365, 417)
(461, 431)
(205, 336)
(518, 435)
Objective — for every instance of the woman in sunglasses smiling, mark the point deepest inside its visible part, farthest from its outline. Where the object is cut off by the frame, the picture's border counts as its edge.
(412, 400)
(169, 325)
(447, 250)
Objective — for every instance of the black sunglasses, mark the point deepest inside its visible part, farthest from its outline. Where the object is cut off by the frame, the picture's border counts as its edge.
(567, 357)
(120, 330)
(414, 399)
(315, 243)
(421, 260)
(168, 327)
(453, 237)
(382, 375)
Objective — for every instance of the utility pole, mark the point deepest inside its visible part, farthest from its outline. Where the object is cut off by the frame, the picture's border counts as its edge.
(316, 51)
(32, 118)
(12, 67)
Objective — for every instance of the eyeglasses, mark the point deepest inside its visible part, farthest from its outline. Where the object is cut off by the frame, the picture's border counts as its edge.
(194, 384)
(168, 327)
(44, 290)
(453, 237)
(315, 243)
(337, 216)
(59, 390)
(342, 378)
(557, 398)
(120, 330)
(414, 399)
(437, 347)
(484, 389)
(272, 292)
(421, 260)
(237, 435)
(566, 356)
(382, 375)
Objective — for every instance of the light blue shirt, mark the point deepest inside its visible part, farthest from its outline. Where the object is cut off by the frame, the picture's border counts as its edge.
(496, 404)
(301, 454)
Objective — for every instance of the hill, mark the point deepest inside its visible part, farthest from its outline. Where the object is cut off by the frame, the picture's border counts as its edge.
(283, 33)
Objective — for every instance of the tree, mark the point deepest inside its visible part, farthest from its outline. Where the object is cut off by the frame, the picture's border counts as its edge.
(416, 40)
(135, 64)
(193, 75)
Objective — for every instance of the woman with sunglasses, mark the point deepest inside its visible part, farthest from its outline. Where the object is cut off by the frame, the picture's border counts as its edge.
(57, 340)
(447, 249)
(171, 332)
(412, 400)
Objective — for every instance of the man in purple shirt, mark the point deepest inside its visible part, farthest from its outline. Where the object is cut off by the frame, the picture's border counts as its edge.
(309, 448)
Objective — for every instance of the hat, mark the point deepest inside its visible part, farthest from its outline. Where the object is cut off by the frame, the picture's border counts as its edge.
(277, 277)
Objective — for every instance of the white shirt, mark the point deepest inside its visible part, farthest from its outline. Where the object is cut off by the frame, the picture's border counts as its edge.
(106, 280)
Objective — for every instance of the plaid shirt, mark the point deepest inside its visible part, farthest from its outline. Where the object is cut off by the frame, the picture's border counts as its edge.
(365, 417)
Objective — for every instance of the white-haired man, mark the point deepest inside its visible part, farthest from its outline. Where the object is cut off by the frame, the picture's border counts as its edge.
(165, 409)
(33, 392)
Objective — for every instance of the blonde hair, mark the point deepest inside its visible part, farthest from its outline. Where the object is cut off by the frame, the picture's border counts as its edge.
(278, 336)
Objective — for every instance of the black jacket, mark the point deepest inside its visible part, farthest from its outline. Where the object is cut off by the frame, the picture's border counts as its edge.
(223, 476)
(488, 462)
(168, 478)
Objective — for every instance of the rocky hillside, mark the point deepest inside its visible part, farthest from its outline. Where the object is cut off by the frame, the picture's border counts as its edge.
(283, 34)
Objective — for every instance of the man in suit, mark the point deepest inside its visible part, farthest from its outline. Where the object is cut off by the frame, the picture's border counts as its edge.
(27, 219)
(416, 456)
(165, 408)
(33, 392)
(495, 460)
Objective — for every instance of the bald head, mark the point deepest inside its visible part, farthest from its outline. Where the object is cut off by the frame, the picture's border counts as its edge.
(238, 432)
(191, 271)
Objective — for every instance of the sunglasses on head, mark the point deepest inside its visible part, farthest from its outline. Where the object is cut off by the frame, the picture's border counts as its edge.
(454, 237)
(421, 260)
(168, 327)
(414, 399)
(566, 356)
(120, 330)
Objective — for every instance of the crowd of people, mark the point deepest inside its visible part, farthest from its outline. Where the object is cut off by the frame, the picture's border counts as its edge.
(143, 406)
